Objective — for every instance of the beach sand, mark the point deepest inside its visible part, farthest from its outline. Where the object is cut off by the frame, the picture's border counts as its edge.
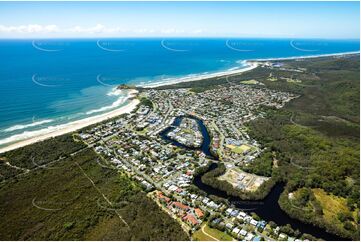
(75, 125)
(250, 66)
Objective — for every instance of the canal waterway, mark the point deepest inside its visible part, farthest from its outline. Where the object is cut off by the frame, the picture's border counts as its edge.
(267, 209)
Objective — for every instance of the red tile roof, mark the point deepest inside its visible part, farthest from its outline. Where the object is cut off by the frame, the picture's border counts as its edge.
(198, 212)
(191, 219)
(180, 205)
(162, 197)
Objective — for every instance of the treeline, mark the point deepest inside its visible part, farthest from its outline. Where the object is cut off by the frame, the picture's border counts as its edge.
(261, 166)
(39, 154)
(329, 162)
(314, 217)
(76, 209)
(146, 102)
(316, 137)
(211, 179)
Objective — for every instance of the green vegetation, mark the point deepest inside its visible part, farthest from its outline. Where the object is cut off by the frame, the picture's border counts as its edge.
(210, 178)
(316, 141)
(146, 102)
(314, 138)
(239, 149)
(322, 209)
(261, 166)
(250, 82)
(59, 202)
(37, 155)
(215, 233)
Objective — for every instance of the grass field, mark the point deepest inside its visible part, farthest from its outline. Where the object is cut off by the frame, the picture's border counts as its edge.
(250, 82)
(332, 206)
(239, 149)
(215, 233)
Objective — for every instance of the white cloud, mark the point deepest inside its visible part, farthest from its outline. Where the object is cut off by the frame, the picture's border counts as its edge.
(99, 28)
(172, 31)
(30, 28)
(95, 30)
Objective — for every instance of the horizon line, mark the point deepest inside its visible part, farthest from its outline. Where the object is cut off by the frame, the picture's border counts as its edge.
(177, 37)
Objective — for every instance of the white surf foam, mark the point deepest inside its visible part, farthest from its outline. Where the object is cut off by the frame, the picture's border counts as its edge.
(117, 103)
(24, 126)
(244, 66)
(115, 92)
(71, 126)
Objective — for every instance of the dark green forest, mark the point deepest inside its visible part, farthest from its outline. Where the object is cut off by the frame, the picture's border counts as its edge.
(56, 200)
(314, 138)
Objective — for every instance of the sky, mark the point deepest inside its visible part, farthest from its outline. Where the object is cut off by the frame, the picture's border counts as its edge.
(331, 20)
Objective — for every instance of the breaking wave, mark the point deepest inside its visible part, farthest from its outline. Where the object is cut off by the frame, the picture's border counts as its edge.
(117, 103)
(24, 126)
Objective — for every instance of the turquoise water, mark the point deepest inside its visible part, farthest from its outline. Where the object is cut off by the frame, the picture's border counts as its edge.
(51, 82)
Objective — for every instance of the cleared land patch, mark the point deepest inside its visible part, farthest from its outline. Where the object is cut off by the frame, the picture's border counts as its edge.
(242, 180)
(205, 233)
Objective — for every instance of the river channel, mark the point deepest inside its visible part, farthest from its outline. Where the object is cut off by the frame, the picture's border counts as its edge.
(268, 209)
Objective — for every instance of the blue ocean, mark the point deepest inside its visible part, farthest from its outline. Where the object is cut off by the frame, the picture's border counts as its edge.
(51, 82)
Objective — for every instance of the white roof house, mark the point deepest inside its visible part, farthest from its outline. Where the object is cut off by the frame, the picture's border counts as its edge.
(243, 232)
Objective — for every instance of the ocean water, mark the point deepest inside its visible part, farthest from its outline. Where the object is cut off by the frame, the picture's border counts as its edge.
(46, 83)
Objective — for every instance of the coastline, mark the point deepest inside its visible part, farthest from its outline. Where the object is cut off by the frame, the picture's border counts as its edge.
(308, 56)
(61, 129)
(251, 64)
(75, 125)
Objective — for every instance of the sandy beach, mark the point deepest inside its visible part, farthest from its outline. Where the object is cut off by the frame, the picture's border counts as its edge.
(250, 66)
(309, 56)
(54, 131)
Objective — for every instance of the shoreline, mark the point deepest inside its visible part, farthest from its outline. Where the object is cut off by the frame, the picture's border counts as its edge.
(308, 56)
(78, 124)
(73, 126)
(251, 64)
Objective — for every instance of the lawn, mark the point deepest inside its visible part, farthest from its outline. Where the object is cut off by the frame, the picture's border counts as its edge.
(200, 236)
(239, 149)
(250, 82)
(219, 235)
